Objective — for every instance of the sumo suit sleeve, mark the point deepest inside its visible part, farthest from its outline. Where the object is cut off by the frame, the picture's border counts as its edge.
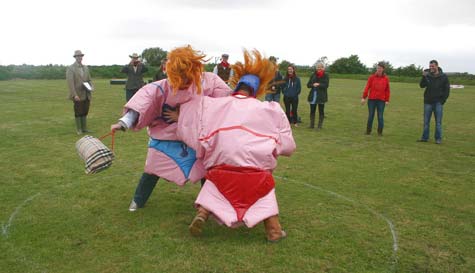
(286, 145)
(190, 124)
(147, 102)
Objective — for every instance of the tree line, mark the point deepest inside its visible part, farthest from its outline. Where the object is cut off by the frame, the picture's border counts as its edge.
(345, 67)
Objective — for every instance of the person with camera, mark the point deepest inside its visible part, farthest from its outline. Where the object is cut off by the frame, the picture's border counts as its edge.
(134, 70)
(437, 90)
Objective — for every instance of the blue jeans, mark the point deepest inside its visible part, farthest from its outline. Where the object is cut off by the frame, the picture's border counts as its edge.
(273, 97)
(437, 109)
(372, 106)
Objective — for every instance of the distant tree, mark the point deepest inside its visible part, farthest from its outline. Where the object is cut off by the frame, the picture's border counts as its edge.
(389, 69)
(154, 55)
(350, 65)
(323, 60)
(409, 71)
(284, 64)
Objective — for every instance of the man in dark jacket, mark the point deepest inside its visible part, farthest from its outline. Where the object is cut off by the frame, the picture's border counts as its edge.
(134, 70)
(276, 85)
(437, 90)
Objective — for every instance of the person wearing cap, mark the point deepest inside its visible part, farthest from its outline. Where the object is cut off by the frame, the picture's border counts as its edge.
(239, 150)
(150, 107)
(80, 88)
(275, 86)
(134, 70)
(162, 71)
(223, 69)
(377, 93)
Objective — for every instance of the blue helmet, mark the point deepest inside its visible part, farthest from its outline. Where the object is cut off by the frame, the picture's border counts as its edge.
(250, 80)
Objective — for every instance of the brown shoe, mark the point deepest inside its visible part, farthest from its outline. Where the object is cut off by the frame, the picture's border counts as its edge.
(283, 236)
(196, 226)
(274, 232)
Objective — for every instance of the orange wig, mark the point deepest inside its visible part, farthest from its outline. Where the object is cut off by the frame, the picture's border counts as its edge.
(184, 68)
(255, 64)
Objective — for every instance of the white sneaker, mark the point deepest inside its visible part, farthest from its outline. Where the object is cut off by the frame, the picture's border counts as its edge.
(133, 206)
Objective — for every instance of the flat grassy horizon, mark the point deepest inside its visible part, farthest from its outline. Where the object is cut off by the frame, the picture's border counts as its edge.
(349, 202)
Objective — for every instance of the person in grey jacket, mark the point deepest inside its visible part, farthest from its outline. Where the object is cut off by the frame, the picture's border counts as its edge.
(292, 88)
(80, 88)
(134, 70)
(437, 90)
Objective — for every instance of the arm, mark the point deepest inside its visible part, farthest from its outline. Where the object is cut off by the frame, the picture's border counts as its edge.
(367, 87)
(423, 83)
(125, 69)
(144, 69)
(148, 103)
(125, 122)
(215, 70)
(299, 86)
(310, 81)
(70, 79)
(325, 82)
(387, 91)
(446, 89)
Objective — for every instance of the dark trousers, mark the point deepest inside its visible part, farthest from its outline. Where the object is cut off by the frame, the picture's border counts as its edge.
(291, 106)
(145, 187)
(374, 105)
(130, 93)
(321, 109)
(81, 108)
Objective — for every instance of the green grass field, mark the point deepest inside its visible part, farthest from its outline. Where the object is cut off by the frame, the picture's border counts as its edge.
(349, 202)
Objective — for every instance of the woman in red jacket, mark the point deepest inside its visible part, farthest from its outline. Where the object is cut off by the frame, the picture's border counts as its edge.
(377, 92)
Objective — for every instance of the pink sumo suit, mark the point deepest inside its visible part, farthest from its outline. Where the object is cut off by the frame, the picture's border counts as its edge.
(239, 139)
(168, 157)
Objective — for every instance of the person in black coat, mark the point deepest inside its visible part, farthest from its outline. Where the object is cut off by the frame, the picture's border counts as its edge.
(318, 82)
(437, 89)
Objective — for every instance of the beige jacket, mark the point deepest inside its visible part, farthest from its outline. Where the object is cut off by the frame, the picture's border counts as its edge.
(76, 79)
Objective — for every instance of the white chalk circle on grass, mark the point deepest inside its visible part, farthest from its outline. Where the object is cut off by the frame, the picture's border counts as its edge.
(372, 211)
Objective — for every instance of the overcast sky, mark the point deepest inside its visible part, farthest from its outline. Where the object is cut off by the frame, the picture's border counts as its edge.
(402, 32)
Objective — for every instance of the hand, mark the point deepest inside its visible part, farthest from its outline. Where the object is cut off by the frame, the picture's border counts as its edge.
(172, 115)
(424, 73)
(387, 103)
(316, 84)
(363, 101)
(115, 127)
(272, 88)
(76, 98)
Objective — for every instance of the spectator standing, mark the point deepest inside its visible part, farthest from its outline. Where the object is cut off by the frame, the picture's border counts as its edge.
(275, 86)
(223, 69)
(80, 88)
(134, 70)
(291, 91)
(437, 90)
(377, 92)
(318, 84)
(162, 71)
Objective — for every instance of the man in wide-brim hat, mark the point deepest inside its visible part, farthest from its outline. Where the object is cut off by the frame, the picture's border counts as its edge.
(134, 70)
(79, 79)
